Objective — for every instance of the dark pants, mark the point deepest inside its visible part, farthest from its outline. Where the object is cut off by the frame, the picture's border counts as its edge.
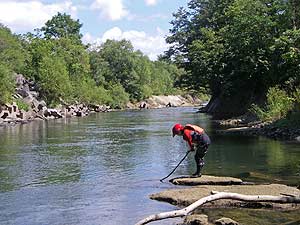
(200, 153)
(201, 144)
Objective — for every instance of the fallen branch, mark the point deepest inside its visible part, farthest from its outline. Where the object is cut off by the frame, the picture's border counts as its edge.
(216, 196)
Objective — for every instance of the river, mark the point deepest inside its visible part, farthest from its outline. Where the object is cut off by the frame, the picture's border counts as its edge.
(101, 169)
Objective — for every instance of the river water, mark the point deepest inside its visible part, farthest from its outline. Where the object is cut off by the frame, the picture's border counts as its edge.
(101, 169)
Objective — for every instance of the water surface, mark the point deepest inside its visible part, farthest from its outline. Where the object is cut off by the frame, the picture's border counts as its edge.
(100, 169)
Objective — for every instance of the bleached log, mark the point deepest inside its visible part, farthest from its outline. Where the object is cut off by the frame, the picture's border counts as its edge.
(216, 196)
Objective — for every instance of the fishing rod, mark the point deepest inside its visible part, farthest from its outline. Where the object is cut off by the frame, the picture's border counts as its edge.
(161, 180)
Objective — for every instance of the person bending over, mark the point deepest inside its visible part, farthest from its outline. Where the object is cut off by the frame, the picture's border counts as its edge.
(197, 140)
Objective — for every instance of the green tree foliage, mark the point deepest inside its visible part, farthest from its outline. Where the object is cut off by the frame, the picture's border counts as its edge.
(119, 55)
(11, 50)
(62, 26)
(53, 80)
(12, 56)
(6, 84)
(238, 49)
(65, 70)
(278, 105)
(116, 62)
(75, 56)
(119, 97)
(86, 91)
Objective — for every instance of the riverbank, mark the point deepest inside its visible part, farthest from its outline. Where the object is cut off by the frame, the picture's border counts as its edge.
(28, 106)
(11, 114)
(258, 128)
(206, 185)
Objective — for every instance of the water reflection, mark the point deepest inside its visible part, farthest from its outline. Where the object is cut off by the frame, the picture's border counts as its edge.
(88, 170)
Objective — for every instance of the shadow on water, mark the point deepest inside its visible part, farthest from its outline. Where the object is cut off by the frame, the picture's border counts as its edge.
(101, 169)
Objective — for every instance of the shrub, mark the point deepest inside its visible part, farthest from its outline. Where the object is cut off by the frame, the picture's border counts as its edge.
(277, 106)
(118, 95)
(22, 105)
(88, 92)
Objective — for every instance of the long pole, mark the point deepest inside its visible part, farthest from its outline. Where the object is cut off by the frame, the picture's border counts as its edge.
(161, 180)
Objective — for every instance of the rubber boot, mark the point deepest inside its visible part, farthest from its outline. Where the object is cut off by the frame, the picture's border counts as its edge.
(198, 171)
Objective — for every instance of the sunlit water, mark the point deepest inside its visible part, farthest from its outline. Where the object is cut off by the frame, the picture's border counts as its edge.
(101, 169)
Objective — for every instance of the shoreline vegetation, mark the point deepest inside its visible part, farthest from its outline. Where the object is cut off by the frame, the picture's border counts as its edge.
(27, 105)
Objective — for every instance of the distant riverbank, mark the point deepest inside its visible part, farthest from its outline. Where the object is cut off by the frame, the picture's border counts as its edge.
(258, 128)
(11, 114)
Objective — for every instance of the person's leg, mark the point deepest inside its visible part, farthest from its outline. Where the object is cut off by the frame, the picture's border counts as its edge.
(199, 158)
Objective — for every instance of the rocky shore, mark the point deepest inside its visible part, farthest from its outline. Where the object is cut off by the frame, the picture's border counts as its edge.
(28, 106)
(205, 185)
(258, 128)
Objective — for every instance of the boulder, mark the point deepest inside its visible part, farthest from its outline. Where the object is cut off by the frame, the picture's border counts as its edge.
(12, 111)
(52, 113)
(226, 221)
(20, 80)
(23, 92)
(143, 105)
(4, 114)
(41, 105)
(205, 180)
(196, 220)
(162, 101)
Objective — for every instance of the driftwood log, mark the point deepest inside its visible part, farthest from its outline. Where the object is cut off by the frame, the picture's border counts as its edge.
(219, 195)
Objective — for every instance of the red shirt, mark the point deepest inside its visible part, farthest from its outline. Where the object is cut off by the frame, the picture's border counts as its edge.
(187, 133)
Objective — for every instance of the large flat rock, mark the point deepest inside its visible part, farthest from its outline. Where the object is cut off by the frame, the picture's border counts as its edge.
(187, 196)
(205, 180)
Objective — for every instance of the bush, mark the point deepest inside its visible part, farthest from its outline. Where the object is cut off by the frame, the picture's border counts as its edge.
(278, 105)
(22, 105)
(86, 91)
(118, 95)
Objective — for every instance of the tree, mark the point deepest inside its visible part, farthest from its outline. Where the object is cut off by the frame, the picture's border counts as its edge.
(228, 47)
(12, 53)
(62, 26)
(75, 56)
(6, 84)
(53, 80)
(117, 62)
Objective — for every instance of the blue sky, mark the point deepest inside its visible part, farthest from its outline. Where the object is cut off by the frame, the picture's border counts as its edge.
(144, 22)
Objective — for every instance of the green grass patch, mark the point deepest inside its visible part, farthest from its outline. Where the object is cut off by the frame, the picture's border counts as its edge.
(22, 105)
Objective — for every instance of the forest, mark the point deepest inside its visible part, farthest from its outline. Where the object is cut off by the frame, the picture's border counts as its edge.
(246, 53)
(66, 70)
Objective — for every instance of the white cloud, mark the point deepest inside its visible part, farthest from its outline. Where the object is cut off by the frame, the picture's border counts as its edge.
(21, 16)
(110, 9)
(151, 2)
(151, 46)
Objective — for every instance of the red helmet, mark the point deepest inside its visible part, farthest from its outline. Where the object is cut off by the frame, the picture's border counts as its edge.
(177, 128)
